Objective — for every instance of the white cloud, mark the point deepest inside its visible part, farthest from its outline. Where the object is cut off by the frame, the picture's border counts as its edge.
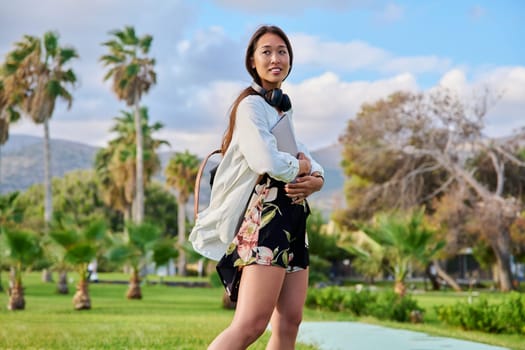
(359, 55)
(323, 105)
(508, 112)
(91, 132)
(416, 64)
(454, 79)
(506, 88)
(311, 50)
(209, 55)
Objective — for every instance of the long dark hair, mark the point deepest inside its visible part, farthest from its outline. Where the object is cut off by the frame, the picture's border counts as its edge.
(253, 72)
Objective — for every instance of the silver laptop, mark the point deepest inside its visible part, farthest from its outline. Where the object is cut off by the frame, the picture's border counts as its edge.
(283, 132)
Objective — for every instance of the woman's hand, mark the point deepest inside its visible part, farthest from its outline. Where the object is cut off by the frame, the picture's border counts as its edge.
(303, 187)
(304, 164)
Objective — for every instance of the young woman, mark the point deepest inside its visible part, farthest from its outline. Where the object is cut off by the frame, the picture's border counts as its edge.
(264, 267)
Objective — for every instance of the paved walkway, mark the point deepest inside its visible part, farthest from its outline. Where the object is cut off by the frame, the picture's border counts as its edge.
(361, 336)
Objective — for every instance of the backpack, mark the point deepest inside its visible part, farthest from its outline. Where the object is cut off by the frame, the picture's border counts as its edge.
(198, 180)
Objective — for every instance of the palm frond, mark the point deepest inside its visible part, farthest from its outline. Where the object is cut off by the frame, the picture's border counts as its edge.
(112, 59)
(66, 54)
(145, 43)
(81, 253)
(65, 238)
(51, 43)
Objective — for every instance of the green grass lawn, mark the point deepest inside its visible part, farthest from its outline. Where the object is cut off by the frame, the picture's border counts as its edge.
(166, 318)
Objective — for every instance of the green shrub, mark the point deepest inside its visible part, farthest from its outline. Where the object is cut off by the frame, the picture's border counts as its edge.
(382, 305)
(358, 303)
(390, 306)
(328, 298)
(505, 317)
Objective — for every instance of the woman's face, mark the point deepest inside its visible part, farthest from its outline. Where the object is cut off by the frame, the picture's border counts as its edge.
(271, 60)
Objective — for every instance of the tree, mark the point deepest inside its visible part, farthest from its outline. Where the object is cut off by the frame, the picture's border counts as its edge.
(133, 75)
(407, 242)
(35, 76)
(116, 164)
(181, 173)
(438, 132)
(369, 255)
(380, 177)
(23, 249)
(513, 185)
(161, 208)
(10, 217)
(80, 247)
(135, 249)
(8, 115)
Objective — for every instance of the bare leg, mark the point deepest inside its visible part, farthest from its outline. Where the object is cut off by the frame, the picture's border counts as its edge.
(258, 293)
(288, 312)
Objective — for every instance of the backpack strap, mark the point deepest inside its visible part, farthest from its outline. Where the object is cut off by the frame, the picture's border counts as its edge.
(198, 182)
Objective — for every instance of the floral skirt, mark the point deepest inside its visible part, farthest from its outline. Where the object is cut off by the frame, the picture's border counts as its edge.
(272, 233)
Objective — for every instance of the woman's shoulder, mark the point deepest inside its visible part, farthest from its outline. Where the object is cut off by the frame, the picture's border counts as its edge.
(255, 108)
(253, 101)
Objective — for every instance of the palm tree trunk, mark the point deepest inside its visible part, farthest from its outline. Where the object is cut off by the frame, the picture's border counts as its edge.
(48, 199)
(81, 299)
(16, 297)
(134, 291)
(0, 172)
(139, 196)
(400, 288)
(181, 225)
(62, 287)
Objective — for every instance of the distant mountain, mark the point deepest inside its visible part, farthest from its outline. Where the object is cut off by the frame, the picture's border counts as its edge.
(22, 160)
(331, 196)
(22, 165)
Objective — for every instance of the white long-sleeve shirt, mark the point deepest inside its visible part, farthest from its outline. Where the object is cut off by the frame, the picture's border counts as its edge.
(252, 151)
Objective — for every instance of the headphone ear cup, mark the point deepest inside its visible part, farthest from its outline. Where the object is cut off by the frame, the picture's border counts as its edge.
(285, 104)
(274, 97)
(277, 99)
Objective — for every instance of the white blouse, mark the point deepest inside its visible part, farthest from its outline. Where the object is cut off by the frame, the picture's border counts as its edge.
(252, 151)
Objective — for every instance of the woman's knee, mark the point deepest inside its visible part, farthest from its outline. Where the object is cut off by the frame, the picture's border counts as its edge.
(289, 323)
(251, 329)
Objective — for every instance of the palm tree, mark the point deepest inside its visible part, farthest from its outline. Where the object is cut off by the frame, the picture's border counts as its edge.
(406, 241)
(10, 217)
(181, 173)
(23, 249)
(116, 164)
(8, 115)
(80, 247)
(133, 75)
(35, 76)
(141, 240)
(369, 255)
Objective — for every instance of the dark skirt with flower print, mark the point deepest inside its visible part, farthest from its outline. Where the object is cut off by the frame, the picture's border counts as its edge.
(272, 233)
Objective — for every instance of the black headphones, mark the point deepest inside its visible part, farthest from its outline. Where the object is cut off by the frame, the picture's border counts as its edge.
(274, 97)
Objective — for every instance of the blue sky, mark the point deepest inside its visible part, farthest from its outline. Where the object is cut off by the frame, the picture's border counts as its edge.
(346, 53)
